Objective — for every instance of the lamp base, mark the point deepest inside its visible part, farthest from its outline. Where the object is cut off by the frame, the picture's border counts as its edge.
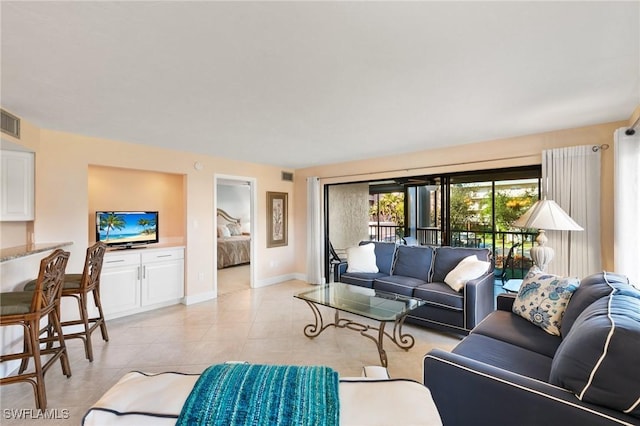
(541, 256)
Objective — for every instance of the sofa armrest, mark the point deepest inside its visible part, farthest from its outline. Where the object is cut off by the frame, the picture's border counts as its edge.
(469, 392)
(340, 269)
(505, 301)
(478, 299)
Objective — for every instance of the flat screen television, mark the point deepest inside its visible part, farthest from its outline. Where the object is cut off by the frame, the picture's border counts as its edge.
(126, 228)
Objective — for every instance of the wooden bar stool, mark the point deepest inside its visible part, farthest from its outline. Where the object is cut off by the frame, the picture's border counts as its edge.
(79, 286)
(26, 309)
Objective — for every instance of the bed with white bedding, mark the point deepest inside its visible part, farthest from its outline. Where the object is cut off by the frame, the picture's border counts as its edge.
(157, 399)
(234, 246)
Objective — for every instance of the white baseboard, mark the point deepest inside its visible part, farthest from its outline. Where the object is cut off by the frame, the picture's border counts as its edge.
(209, 295)
(280, 279)
(197, 298)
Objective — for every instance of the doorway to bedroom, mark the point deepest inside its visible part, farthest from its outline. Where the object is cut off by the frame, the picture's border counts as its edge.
(234, 226)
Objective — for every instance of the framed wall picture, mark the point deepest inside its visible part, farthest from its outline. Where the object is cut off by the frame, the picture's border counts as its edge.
(277, 219)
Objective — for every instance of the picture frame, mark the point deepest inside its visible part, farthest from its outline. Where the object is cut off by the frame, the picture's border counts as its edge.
(277, 218)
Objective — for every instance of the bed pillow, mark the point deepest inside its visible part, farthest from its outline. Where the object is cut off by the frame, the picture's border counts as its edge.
(543, 299)
(234, 229)
(223, 231)
(362, 259)
(467, 269)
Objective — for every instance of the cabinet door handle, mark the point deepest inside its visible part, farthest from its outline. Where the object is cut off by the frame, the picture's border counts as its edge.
(164, 255)
(144, 271)
(139, 274)
(115, 261)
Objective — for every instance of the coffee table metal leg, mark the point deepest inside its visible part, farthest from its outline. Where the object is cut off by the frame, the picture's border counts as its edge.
(313, 330)
(363, 329)
(379, 342)
(404, 341)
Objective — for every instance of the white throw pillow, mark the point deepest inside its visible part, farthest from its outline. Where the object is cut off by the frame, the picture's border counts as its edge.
(469, 268)
(471, 258)
(362, 259)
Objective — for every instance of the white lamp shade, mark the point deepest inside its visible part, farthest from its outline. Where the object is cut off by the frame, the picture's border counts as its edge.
(546, 214)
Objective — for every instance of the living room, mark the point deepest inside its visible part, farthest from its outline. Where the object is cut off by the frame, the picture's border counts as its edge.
(66, 156)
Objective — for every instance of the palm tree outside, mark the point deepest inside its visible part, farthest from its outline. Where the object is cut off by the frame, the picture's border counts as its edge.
(111, 221)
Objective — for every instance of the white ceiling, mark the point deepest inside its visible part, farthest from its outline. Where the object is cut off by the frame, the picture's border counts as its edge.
(297, 84)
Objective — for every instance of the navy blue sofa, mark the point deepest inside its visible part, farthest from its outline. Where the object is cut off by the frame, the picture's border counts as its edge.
(419, 271)
(509, 371)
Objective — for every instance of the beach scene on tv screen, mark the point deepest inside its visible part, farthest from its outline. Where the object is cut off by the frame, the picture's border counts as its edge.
(122, 228)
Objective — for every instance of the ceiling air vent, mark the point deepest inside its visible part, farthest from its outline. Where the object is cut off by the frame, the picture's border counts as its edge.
(287, 176)
(10, 124)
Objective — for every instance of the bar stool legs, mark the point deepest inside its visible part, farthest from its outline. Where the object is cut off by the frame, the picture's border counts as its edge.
(79, 286)
(26, 309)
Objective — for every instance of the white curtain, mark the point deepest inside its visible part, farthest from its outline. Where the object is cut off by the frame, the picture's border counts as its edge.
(315, 252)
(626, 239)
(571, 178)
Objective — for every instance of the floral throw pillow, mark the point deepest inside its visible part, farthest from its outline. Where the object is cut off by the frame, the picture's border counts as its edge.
(543, 298)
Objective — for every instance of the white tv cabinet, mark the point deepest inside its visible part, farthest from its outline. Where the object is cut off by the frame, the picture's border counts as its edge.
(141, 279)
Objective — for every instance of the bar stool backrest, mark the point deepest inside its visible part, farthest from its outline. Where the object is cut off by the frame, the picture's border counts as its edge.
(93, 266)
(46, 294)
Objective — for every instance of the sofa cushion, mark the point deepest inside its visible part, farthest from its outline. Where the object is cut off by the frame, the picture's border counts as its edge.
(469, 268)
(362, 259)
(441, 295)
(361, 279)
(446, 258)
(591, 289)
(505, 355)
(397, 284)
(543, 298)
(413, 261)
(598, 359)
(510, 328)
(385, 253)
(439, 318)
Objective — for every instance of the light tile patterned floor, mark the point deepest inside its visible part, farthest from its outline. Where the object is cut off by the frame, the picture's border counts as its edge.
(261, 325)
(233, 279)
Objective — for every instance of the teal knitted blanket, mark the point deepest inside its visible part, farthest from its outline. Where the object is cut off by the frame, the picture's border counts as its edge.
(251, 394)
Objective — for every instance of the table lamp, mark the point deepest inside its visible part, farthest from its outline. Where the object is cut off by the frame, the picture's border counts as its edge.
(545, 215)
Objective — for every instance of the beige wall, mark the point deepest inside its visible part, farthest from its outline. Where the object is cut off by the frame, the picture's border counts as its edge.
(511, 152)
(62, 193)
(113, 188)
(62, 200)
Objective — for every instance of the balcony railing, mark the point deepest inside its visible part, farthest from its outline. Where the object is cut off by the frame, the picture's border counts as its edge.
(499, 242)
(388, 233)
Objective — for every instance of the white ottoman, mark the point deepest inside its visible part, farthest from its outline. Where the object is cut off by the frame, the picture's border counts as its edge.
(140, 399)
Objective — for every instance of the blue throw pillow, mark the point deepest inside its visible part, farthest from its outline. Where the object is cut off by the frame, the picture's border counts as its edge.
(598, 359)
(591, 288)
(414, 262)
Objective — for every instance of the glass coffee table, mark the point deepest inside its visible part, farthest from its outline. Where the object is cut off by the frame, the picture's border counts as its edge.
(379, 306)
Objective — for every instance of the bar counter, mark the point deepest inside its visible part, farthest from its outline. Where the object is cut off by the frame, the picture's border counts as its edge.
(11, 253)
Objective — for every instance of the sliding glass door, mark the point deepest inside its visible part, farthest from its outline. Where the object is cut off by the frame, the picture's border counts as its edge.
(424, 212)
(474, 209)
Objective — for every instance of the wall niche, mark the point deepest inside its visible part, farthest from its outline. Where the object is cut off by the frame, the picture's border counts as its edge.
(119, 189)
